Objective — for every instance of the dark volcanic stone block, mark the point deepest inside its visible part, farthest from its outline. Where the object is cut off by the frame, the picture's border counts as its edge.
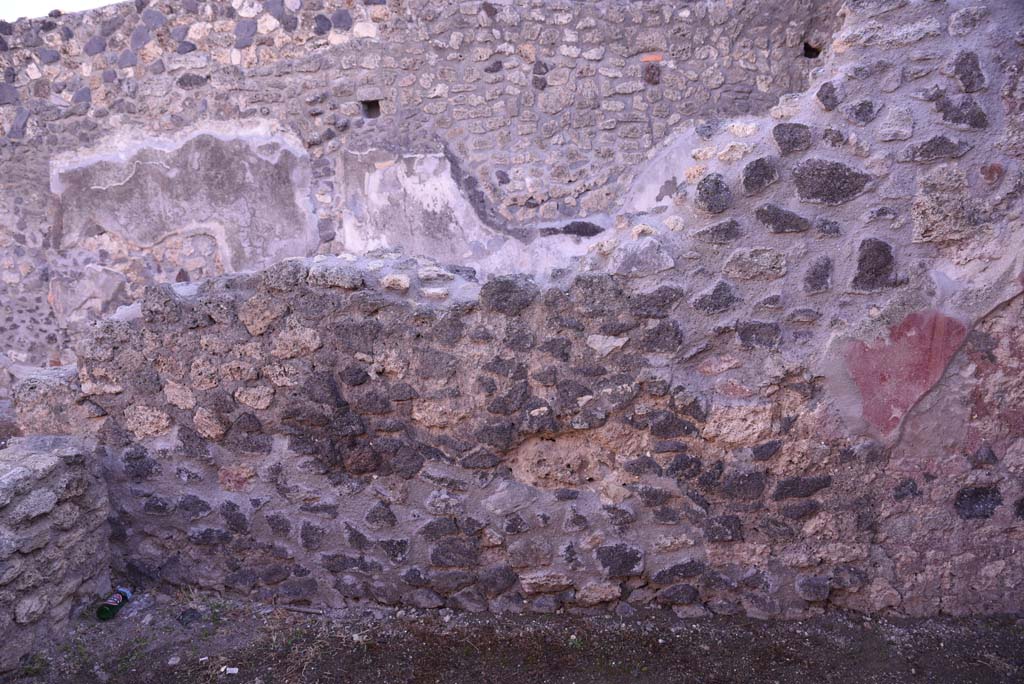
(828, 182)
(582, 228)
(190, 81)
(341, 20)
(967, 71)
(936, 148)
(738, 485)
(508, 295)
(656, 304)
(455, 552)
(907, 487)
(977, 502)
(48, 55)
(828, 95)
(759, 334)
(779, 220)
(758, 175)
(713, 194)
(962, 112)
(397, 550)
(982, 457)
(620, 560)
(819, 275)
(321, 24)
(801, 510)
(721, 233)
(723, 528)
(666, 336)
(827, 227)
(152, 18)
(813, 588)
(679, 571)
(678, 594)
(8, 94)
(863, 112)
(720, 299)
(792, 137)
(764, 451)
(876, 266)
(94, 46)
(801, 487)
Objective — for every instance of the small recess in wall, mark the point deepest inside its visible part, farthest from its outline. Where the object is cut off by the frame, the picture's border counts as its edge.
(371, 108)
(810, 52)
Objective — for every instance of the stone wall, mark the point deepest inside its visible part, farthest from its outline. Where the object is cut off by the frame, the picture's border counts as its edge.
(172, 140)
(777, 373)
(54, 550)
(327, 432)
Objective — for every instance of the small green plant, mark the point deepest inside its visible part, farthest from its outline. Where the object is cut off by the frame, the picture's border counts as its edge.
(88, 610)
(78, 654)
(215, 608)
(132, 654)
(33, 665)
(575, 642)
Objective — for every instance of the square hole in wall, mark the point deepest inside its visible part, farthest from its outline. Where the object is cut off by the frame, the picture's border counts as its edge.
(371, 108)
(811, 51)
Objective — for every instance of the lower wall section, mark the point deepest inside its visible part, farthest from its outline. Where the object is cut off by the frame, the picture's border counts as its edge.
(322, 434)
(54, 551)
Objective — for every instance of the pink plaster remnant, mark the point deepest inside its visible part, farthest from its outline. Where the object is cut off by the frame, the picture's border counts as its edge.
(892, 375)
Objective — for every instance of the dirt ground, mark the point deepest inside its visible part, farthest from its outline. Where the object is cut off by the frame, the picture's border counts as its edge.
(199, 638)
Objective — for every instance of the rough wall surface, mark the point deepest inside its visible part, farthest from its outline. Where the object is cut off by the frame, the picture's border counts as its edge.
(54, 550)
(780, 373)
(127, 133)
(323, 432)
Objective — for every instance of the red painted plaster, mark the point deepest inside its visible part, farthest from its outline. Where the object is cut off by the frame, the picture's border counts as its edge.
(893, 374)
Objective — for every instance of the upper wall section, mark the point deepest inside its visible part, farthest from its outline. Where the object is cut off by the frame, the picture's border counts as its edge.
(547, 105)
(168, 141)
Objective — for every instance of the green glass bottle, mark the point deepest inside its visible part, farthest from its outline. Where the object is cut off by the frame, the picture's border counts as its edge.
(108, 609)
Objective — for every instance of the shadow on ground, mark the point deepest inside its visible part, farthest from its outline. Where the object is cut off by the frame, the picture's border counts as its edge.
(198, 638)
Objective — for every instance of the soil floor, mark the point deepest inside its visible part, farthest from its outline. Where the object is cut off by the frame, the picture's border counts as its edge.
(200, 638)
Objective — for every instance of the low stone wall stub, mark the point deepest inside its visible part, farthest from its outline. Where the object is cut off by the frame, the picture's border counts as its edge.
(54, 549)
